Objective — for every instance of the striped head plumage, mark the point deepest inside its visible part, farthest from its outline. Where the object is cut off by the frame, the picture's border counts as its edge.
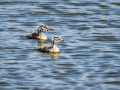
(57, 39)
(43, 28)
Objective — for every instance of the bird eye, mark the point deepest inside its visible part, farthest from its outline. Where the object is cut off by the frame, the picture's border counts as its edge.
(47, 27)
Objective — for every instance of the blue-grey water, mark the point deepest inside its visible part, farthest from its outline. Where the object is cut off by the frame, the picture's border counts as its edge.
(88, 60)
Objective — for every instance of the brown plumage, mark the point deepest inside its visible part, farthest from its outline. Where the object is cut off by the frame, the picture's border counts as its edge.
(39, 35)
(35, 35)
(52, 48)
(32, 35)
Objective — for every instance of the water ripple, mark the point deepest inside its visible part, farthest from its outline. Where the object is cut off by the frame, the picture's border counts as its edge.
(88, 60)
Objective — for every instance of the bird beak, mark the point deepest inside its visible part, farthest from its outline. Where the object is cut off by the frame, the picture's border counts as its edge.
(62, 40)
(50, 29)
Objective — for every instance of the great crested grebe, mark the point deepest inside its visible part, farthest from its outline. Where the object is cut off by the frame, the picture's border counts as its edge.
(53, 47)
(39, 35)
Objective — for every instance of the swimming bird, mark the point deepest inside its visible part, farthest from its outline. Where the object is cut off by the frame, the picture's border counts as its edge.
(39, 35)
(53, 47)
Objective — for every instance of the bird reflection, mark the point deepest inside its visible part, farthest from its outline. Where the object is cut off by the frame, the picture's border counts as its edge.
(54, 55)
(40, 42)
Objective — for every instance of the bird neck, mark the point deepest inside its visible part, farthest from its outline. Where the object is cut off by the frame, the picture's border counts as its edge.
(53, 44)
(54, 47)
(39, 32)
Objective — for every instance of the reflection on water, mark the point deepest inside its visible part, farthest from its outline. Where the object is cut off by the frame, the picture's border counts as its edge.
(55, 55)
(89, 60)
(40, 42)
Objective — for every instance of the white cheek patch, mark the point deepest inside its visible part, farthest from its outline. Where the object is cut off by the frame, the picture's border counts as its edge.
(46, 29)
(43, 29)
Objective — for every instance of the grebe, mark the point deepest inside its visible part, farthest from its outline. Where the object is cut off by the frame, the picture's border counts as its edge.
(39, 35)
(52, 48)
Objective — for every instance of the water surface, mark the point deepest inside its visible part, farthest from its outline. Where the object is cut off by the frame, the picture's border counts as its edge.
(89, 60)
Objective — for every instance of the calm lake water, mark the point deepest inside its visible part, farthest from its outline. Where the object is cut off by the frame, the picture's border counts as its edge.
(88, 60)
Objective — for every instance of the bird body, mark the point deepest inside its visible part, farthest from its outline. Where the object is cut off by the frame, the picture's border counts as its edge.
(32, 35)
(53, 47)
(39, 35)
(48, 48)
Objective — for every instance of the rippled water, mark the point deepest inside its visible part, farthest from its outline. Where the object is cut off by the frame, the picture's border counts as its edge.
(89, 60)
